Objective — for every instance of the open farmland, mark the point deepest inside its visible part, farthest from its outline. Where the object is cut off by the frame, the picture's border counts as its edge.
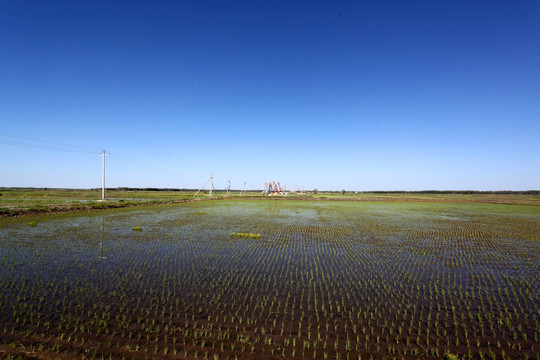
(18, 201)
(324, 280)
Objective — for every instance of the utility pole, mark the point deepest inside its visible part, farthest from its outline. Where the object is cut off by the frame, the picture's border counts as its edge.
(103, 155)
(243, 192)
(211, 181)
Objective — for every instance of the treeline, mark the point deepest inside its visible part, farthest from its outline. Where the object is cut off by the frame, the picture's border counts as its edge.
(147, 189)
(167, 189)
(461, 192)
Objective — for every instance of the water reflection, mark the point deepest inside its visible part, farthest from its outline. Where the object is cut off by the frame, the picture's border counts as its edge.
(101, 257)
(272, 206)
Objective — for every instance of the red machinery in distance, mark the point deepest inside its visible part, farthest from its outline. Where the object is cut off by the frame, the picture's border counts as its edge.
(274, 189)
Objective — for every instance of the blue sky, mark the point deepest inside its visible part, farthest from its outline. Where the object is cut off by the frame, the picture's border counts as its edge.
(396, 95)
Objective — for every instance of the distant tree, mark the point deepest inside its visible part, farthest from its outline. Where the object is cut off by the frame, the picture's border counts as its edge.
(343, 191)
(315, 191)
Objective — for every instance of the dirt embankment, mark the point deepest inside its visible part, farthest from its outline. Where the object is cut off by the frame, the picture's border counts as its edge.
(114, 204)
(53, 209)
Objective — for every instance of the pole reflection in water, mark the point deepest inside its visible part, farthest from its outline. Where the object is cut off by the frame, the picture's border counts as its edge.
(273, 206)
(101, 242)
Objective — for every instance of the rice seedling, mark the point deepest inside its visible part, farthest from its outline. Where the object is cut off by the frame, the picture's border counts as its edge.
(327, 280)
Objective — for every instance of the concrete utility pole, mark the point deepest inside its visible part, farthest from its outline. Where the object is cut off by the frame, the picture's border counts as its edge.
(211, 181)
(103, 155)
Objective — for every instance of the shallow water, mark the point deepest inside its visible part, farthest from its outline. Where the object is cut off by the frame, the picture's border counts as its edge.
(319, 274)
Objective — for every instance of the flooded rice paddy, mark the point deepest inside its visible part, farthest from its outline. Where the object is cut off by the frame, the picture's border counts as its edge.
(324, 280)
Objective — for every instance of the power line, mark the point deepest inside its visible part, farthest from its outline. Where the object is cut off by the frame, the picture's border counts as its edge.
(142, 166)
(43, 147)
(47, 142)
(79, 149)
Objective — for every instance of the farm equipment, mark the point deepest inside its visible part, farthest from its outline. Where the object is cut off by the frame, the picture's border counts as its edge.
(274, 189)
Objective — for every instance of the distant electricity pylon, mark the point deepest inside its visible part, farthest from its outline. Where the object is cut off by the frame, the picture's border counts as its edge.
(211, 181)
(243, 192)
(103, 155)
(228, 186)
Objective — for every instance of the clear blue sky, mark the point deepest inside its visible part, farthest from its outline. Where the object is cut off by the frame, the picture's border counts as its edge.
(355, 95)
